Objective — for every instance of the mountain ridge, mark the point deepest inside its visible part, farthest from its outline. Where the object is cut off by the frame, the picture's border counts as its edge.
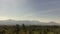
(26, 22)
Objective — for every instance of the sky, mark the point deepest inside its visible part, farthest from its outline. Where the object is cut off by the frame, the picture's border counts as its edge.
(40, 10)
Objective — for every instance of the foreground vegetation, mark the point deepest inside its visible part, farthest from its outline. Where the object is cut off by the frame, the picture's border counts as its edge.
(32, 29)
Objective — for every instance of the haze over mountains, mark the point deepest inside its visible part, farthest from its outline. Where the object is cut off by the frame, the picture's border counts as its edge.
(14, 22)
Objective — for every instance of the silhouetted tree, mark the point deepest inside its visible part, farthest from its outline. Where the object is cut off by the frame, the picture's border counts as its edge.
(17, 28)
(23, 26)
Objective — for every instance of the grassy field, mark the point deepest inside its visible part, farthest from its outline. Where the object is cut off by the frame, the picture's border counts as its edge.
(32, 29)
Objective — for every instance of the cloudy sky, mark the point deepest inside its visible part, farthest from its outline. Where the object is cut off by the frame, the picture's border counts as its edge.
(41, 10)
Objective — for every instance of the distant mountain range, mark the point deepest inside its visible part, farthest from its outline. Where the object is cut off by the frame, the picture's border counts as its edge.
(14, 22)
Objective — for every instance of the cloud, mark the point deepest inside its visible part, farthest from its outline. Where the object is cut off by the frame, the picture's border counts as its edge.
(30, 9)
(8, 7)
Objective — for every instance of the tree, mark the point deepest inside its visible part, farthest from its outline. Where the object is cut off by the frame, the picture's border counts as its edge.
(23, 26)
(17, 28)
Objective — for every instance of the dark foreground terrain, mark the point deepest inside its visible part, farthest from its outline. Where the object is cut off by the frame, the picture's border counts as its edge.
(31, 29)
